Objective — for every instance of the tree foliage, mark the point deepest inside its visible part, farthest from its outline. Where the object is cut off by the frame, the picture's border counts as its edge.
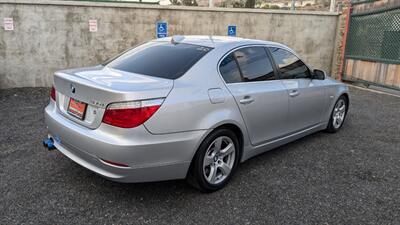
(250, 3)
(184, 2)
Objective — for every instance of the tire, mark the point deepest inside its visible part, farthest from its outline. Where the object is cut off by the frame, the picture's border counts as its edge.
(212, 166)
(336, 123)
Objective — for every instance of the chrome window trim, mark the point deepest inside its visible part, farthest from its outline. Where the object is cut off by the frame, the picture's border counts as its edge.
(289, 50)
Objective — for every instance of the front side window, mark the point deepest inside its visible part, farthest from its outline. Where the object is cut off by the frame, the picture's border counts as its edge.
(254, 64)
(160, 59)
(290, 67)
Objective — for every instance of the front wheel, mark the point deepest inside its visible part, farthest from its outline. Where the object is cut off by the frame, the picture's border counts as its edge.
(215, 161)
(338, 115)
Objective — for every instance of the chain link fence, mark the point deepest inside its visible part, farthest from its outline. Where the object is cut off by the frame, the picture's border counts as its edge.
(375, 36)
(355, 2)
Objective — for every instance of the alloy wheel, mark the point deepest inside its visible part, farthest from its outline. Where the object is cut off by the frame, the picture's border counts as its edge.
(339, 113)
(219, 160)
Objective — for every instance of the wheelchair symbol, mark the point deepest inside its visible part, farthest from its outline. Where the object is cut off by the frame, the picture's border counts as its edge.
(161, 29)
(232, 30)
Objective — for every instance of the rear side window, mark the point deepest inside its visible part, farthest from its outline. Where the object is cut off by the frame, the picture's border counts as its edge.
(290, 67)
(229, 69)
(247, 65)
(160, 59)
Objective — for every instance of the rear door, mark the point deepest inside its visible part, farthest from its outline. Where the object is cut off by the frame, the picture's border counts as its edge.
(262, 99)
(307, 96)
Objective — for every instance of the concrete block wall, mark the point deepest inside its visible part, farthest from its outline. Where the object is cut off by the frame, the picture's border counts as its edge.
(53, 35)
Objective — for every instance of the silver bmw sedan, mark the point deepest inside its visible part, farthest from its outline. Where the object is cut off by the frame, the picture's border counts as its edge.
(189, 107)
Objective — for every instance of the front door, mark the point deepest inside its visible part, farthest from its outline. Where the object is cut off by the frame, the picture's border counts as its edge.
(307, 97)
(262, 99)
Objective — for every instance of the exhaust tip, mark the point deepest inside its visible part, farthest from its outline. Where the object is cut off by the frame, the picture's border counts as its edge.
(49, 144)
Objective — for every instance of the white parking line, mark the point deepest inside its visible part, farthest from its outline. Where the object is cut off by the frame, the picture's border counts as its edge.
(372, 90)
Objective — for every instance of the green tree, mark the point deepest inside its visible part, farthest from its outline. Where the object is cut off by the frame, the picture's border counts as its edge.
(250, 3)
(175, 2)
(266, 6)
(184, 2)
(238, 4)
(189, 2)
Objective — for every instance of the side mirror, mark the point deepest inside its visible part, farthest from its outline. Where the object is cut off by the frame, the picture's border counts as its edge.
(319, 74)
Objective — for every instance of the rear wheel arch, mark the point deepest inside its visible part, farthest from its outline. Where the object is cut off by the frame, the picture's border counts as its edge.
(195, 174)
(230, 126)
(238, 132)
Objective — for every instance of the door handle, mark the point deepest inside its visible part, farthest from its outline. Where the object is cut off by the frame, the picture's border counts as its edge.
(293, 93)
(246, 100)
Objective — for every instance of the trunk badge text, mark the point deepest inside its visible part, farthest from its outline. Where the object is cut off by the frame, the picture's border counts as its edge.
(96, 103)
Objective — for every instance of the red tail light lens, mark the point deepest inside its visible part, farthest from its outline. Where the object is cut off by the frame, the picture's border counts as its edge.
(53, 93)
(131, 114)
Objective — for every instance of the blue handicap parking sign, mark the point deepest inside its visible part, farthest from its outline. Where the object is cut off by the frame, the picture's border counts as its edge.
(161, 29)
(231, 30)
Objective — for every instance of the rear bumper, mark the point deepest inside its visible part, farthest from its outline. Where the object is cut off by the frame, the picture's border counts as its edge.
(149, 157)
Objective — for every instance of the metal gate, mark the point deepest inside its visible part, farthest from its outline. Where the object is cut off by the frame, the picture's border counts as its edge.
(372, 51)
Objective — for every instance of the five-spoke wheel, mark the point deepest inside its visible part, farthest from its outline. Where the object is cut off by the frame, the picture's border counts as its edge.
(215, 161)
(219, 159)
(338, 114)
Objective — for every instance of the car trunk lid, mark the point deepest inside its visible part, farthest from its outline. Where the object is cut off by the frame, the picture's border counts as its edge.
(99, 86)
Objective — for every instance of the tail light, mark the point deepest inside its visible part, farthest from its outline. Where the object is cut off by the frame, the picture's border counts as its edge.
(131, 114)
(53, 93)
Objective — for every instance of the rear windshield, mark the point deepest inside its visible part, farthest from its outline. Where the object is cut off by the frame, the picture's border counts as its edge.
(160, 59)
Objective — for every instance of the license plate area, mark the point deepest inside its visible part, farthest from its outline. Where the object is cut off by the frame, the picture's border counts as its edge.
(77, 108)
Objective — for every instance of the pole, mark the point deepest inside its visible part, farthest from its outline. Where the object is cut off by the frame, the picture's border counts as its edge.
(344, 41)
(210, 3)
(332, 8)
(293, 6)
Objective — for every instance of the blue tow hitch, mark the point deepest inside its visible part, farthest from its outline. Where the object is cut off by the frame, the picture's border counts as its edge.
(49, 144)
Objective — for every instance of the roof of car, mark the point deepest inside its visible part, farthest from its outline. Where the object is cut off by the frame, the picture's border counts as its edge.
(215, 41)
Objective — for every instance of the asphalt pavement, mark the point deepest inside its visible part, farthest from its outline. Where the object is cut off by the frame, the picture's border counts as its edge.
(351, 177)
